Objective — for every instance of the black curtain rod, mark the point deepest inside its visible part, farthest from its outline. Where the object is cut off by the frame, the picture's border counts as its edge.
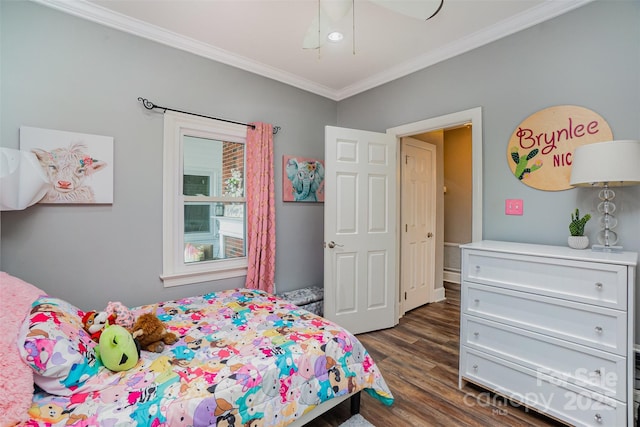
(151, 106)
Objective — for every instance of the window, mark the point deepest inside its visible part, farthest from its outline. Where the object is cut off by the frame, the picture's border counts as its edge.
(204, 220)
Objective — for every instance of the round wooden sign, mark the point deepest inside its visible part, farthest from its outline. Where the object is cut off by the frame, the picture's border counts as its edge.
(541, 148)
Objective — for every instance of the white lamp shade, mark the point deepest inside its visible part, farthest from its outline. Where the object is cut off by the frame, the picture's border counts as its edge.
(22, 180)
(616, 163)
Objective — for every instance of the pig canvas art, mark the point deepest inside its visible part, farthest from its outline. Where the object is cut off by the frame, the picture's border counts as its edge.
(79, 166)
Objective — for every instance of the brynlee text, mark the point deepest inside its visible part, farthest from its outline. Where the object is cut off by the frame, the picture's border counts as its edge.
(527, 138)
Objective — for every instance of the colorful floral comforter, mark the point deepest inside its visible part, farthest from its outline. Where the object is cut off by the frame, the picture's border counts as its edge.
(244, 358)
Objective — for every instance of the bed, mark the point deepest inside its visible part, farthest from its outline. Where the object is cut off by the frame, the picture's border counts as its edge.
(244, 358)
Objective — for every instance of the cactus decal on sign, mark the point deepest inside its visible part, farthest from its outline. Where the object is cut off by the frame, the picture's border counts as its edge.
(522, 163)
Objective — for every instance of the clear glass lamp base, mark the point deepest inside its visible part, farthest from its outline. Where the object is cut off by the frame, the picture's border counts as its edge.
(607, 238)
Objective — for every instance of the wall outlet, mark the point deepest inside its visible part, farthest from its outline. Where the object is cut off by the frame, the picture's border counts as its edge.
(513, 207)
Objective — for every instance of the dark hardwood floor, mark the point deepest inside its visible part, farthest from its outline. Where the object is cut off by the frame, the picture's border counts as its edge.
(419, 361)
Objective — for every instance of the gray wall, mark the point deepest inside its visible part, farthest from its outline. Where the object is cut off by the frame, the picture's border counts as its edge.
(588, 57)
(62, 72)
(459, 182)
(65, 73)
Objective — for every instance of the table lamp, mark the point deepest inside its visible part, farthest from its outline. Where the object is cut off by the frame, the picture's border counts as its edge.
(606, 164)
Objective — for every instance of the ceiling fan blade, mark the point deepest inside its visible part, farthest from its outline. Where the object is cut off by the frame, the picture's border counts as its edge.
(312, 37)
(420, 9)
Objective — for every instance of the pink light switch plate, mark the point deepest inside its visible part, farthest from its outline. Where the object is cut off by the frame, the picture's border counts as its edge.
(513, 207)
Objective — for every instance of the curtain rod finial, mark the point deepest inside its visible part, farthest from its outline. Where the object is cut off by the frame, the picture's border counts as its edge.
(147, 104)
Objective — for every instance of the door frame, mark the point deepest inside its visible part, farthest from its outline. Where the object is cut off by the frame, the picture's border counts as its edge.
(472, 116)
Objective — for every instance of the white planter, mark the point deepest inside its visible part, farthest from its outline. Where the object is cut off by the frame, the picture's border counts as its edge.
(578, 242)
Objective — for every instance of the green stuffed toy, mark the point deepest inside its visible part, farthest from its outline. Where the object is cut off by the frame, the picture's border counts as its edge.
(117, 348)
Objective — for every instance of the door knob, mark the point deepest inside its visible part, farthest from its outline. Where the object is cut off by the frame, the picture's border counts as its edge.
(332, 244)
(429, 235)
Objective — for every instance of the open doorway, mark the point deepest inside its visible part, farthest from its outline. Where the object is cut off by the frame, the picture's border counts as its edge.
(361, 219)
(454, 183)
(467, 122)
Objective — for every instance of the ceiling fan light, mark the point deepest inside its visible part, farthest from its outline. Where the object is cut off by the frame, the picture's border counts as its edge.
(335, 36)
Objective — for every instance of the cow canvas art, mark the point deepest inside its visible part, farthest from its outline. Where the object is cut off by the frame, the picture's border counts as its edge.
(79, 166)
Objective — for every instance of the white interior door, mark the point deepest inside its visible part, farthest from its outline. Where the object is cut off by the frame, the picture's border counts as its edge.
(360, 278)
(418, 223)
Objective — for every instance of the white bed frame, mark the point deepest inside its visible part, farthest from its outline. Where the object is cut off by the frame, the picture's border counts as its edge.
(326, 406)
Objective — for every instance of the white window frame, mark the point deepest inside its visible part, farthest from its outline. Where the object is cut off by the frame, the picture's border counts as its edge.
(175, 271)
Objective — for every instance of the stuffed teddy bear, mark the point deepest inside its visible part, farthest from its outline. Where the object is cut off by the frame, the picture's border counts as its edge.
(95, 321)
(151, 333)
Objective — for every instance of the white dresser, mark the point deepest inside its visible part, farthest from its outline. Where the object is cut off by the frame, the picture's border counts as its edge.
(550, 327)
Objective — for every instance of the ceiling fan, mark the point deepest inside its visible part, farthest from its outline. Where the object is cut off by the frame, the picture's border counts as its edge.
(331, 12)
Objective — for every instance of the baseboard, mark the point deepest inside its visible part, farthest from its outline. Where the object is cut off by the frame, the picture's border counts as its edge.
(439, 294)
(451, 276)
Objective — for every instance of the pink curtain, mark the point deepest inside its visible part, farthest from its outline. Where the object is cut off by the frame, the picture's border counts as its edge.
(261, 209)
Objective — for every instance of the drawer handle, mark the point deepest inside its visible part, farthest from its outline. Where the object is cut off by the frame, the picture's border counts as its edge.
(599, 330)
(598, 418)
(475, 367)
(476, 334)
(597, 372)
(477, 301)
(599, 286)
(477, 268)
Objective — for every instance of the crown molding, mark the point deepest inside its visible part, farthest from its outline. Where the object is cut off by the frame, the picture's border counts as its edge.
(118, 21)
(529, 18)
(98, 14)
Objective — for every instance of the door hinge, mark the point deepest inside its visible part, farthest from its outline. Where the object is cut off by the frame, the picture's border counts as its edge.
(405, 296)
(406, 228)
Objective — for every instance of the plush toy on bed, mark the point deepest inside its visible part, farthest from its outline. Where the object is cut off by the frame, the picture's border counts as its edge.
(124, 316)
(117, 349)
(95, 321)
(151, 333)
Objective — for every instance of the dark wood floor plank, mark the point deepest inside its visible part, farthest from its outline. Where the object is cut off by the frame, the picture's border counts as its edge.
(419, 360)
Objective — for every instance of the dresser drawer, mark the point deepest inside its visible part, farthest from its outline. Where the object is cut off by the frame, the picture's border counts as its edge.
(590, 282)
(546, 394)
(596, 370)
(598, 327)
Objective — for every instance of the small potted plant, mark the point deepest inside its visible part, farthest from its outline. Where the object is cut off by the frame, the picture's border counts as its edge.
(578, 240)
